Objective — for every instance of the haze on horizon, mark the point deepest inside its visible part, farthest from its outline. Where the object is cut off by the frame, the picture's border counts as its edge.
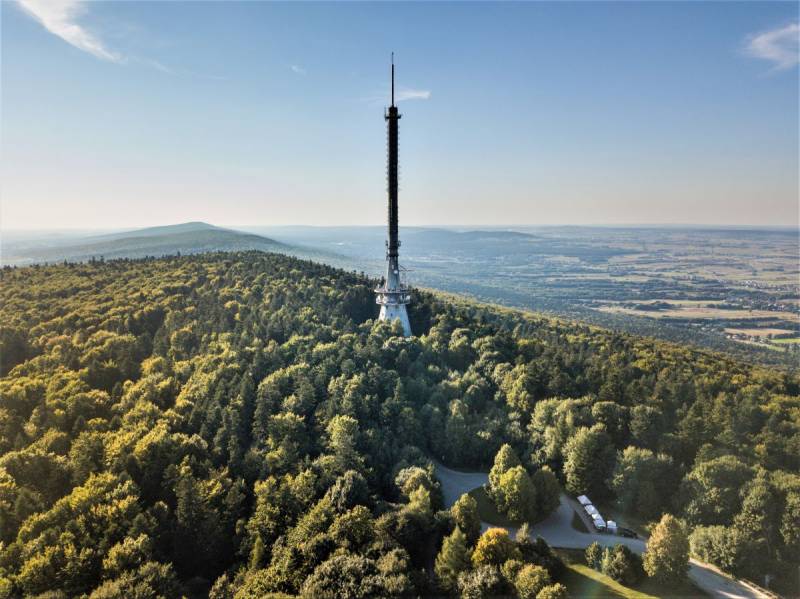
(128, 114)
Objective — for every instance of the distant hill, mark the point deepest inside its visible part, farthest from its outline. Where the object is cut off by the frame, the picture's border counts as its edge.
(186, 238)
(160, 231)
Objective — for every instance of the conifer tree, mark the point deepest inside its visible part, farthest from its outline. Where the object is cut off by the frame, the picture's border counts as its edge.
(453, 559)
(257, 554)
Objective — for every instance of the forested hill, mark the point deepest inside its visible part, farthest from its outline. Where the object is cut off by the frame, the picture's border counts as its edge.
(239, 420)
(185, 238)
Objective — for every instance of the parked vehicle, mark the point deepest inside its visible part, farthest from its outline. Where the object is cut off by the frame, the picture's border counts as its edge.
(627, 532)
(599, 523)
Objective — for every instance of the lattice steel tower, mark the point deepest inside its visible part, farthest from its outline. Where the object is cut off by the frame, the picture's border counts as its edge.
(393, 294)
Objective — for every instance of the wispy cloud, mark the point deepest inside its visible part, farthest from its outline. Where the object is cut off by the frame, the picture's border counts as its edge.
(60, 18)
(298, 69)
(158, 66)
(405, 93)
(401, 94)
(780, 46)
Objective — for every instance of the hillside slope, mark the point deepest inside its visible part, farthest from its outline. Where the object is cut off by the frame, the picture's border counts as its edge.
(239, 420)
(186, 238)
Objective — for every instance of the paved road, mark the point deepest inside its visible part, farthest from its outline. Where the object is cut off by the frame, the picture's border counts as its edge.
(557, 530)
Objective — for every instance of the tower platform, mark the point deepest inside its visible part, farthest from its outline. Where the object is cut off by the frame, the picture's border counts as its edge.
(393, 305)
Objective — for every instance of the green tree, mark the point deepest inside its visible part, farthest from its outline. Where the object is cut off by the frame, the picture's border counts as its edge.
(760, 518)
(553, 591)
(710, 493)
(484, 582)
(343, 432)
(643, 481)
(790, 532)
(354, 529)
(257, 554)
(494, 547)
(530, 581)
(466, 517)
(667, 555)
(130, 554)
(647, 426)
(588, 461)
(408, 479)
(345, 575)
(518, 495)
(624, 566)
(548, 491)
(732, 549)
(594, 555)
(505, 460)
(614, 417)
(151, 579)
(349, 490)
(452, 560)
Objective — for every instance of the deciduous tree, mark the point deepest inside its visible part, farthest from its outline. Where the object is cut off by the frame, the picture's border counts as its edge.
(667, 554)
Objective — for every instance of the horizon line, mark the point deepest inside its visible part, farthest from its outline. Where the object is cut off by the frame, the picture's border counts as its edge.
(425, 226)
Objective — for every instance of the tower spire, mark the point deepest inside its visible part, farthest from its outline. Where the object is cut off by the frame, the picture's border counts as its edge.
(392, 78)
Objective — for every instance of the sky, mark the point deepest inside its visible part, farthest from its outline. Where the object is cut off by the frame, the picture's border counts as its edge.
(127, 114)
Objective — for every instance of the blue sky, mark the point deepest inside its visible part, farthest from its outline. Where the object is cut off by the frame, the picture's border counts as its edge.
(142, 113)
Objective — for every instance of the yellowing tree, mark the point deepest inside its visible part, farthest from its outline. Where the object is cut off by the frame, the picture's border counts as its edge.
(530, 581)
(553, 591)
(494, 547)
(667, 554)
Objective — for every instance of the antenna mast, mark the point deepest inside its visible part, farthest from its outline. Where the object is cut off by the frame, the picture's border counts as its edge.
(393, 295)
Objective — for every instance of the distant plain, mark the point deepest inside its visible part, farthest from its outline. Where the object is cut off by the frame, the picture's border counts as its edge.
(730, 289)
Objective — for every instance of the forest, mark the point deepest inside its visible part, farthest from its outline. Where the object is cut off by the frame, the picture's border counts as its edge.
(239, 425)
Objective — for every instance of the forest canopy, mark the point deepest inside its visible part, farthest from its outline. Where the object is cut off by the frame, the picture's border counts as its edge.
(240, 424)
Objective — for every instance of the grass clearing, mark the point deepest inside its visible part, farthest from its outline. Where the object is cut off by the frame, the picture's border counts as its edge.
(583, 581)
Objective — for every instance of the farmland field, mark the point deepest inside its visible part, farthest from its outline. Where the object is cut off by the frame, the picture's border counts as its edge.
(761, 332)
(696, 312)
(683, 284)
(792, 341)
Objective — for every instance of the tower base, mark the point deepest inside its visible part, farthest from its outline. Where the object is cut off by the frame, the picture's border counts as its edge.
(392, 312)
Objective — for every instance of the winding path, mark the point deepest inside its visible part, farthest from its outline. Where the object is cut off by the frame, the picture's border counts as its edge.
(557, 530)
